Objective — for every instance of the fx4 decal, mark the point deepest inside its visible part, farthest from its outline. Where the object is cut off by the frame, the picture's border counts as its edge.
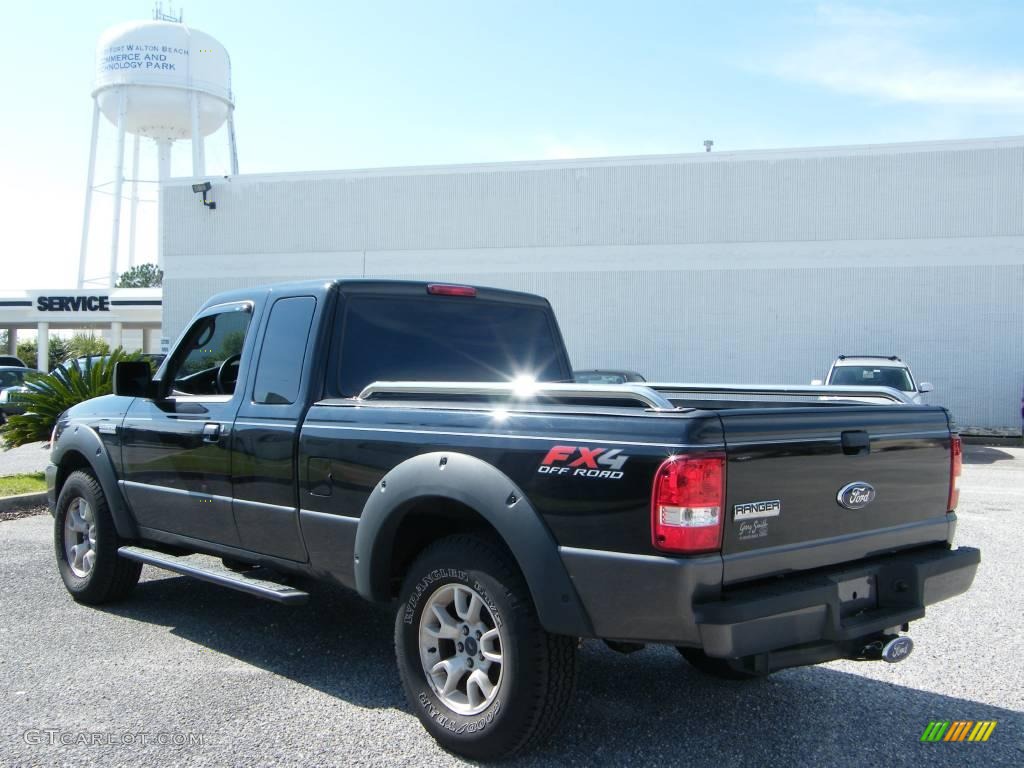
(580, 461)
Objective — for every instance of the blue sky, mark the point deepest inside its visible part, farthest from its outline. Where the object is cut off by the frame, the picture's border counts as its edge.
(324, 85)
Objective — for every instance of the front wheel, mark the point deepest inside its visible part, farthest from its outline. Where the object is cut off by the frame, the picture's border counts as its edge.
(86, 544)
(478, 669)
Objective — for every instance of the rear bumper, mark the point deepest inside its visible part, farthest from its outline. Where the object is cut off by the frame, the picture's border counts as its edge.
(826, 608)
(681, 602)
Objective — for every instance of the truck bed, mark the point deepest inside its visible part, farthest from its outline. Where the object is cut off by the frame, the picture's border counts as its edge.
(787, 450)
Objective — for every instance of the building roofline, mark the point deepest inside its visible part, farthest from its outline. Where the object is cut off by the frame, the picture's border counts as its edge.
(943, 145)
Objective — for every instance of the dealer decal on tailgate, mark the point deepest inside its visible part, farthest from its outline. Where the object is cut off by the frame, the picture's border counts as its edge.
(579, 461)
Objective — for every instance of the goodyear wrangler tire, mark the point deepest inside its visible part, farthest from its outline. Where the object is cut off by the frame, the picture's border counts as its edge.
(478, 669)
(86, 544)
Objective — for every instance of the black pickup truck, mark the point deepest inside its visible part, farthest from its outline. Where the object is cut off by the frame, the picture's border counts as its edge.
(425, 444)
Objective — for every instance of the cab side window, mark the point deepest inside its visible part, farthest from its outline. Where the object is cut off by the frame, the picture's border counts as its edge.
(284, 350)
(207, 362)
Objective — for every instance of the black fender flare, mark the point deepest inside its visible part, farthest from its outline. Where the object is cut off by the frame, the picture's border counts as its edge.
(491, 494)
(84, 440)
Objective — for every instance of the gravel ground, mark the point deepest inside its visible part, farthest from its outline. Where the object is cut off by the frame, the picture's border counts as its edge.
(25, 459)
(261, 684)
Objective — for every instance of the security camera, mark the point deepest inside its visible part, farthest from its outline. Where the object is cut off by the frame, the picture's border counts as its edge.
(204, 187)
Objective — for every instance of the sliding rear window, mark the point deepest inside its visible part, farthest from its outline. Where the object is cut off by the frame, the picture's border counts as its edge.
(437, 338)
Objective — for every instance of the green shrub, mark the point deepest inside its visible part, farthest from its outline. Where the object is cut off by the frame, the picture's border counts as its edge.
(51, 394)
(86, 345)
(28, 351)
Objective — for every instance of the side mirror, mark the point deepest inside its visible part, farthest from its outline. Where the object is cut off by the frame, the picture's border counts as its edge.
(925, 386)
(134, 378)
(816, 382)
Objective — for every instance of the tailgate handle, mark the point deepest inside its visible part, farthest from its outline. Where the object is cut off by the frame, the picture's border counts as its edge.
(856, 443)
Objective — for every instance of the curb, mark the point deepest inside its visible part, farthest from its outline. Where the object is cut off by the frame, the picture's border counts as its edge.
(22, 501)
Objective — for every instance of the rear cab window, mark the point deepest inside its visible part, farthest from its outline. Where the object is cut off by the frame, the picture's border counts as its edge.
(437, 338)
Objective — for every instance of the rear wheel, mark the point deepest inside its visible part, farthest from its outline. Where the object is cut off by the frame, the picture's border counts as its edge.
(86, 544)
(480, 672)
(713, 667)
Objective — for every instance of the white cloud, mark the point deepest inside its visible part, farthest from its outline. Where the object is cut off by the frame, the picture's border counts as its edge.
(877, 53)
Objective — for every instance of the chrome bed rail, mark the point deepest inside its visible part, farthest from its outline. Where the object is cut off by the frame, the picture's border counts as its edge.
(887, 394)
(522, 391)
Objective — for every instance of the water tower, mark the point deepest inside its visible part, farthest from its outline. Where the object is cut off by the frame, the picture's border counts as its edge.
(164, 81)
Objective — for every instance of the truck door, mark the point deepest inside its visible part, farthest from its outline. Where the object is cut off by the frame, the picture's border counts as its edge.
(265, 439)
(176, 449)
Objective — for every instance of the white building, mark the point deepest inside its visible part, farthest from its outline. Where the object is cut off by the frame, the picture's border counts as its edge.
(723, 267)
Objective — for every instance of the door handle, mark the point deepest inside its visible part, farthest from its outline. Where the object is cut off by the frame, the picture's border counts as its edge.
(211, 432)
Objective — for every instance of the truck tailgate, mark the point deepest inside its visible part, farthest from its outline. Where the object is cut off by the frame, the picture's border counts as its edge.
(787, 469)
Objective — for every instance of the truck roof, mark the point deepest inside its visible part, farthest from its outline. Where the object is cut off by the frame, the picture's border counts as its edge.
(366, 285)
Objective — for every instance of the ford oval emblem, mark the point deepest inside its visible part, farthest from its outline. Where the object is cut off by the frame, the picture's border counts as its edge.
(856, 495)
(897, 649)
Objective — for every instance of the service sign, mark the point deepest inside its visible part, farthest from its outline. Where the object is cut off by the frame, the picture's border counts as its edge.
(73, 303)
(70, 307)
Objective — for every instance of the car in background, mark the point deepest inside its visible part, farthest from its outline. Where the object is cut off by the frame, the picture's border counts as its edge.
(606, 377)
(12, 381)
(10, 361)
(875, 371)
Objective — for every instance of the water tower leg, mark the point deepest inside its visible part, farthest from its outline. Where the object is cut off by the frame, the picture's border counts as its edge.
(233, 146)
(135, 202)
(115, 233)
(89, 179)
(163, 154)
(198, 145)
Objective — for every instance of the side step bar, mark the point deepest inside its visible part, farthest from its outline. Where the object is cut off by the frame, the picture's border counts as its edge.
(216, 574)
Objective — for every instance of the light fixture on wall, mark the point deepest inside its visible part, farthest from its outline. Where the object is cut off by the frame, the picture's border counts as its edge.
(204, 187)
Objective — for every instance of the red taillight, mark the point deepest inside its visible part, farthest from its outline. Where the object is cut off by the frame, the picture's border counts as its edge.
(956, 468)
(687, 504)
(443, 289)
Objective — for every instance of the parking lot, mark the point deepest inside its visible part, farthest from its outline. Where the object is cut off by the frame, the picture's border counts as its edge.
(244, 682)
